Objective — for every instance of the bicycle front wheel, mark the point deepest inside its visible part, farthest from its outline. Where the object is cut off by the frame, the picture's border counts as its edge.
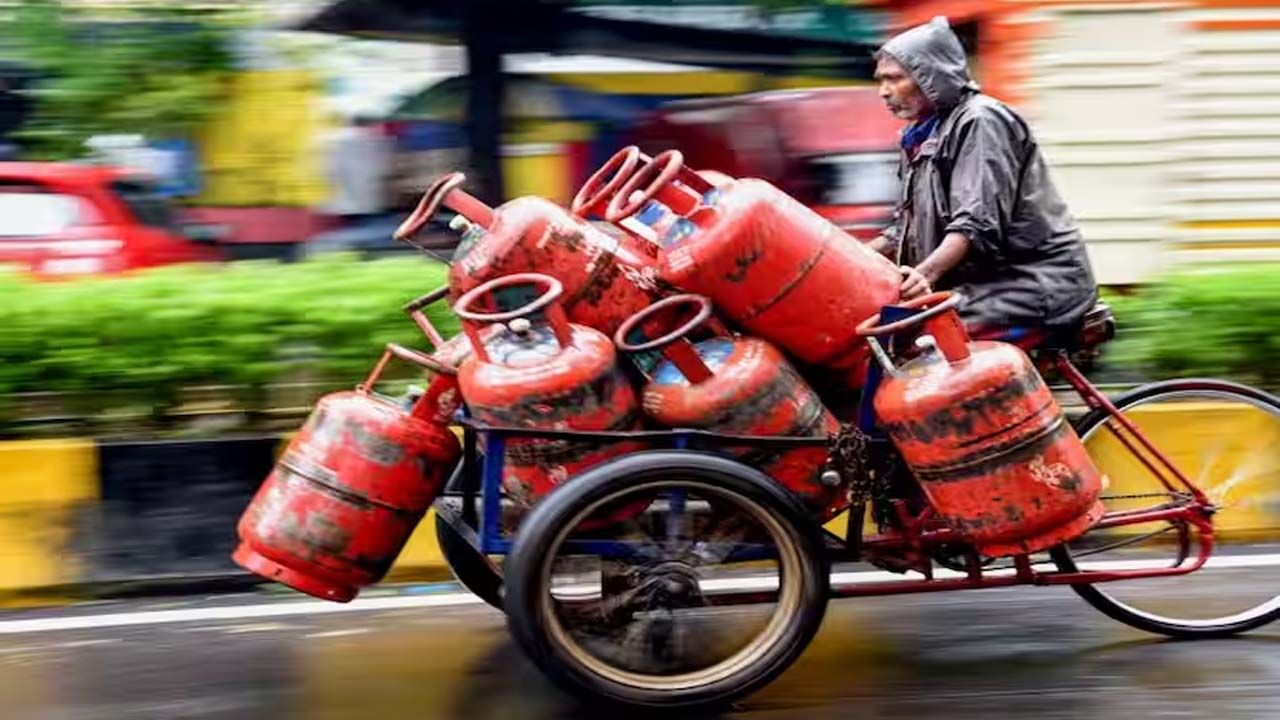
(1225, 439)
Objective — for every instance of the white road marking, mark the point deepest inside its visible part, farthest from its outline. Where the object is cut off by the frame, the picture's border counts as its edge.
(320, 607)
(256, 628)
(1226, 562)
(337, 633)
(235, 612)
(15, 649)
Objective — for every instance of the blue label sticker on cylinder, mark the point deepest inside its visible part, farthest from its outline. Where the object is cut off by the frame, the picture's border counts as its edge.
(714, 353)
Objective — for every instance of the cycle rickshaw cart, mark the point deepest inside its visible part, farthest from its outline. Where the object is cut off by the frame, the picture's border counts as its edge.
(683, 570)
(682, 575)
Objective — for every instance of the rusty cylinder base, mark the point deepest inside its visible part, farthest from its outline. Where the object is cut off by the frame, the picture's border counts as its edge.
(1048, 538)
(249, 559)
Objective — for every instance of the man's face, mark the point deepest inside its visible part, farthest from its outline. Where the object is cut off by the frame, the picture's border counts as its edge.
(899, 91)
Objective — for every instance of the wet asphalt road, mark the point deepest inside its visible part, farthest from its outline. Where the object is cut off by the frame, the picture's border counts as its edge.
(1021, 653)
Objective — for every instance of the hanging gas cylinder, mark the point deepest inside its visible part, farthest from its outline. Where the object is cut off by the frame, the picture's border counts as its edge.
(540, 371)
(772, 265)
(984, 436)
(348, 491)
(738, 386)
(606, 277)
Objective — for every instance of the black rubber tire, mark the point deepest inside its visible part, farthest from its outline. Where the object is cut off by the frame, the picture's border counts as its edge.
(541, 529)
(468, 566)
(1061, 555)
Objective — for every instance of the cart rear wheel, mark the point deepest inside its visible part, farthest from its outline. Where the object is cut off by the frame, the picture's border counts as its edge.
(712, 591)
(1225, 438)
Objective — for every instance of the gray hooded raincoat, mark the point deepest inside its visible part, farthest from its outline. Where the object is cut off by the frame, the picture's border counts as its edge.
(981, 173)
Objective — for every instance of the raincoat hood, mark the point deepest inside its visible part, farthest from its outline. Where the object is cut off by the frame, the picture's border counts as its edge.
(933, 55)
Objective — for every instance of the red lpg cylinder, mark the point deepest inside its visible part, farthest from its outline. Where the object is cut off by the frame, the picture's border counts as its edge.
(442, 394)
(606, 277)
(739, 386)
(653, 220)
(594, 195)
(774, 266)
(349, 490)
(540, 371)
(985, 438)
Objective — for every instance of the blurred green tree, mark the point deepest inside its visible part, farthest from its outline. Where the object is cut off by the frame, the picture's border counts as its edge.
(155, 70)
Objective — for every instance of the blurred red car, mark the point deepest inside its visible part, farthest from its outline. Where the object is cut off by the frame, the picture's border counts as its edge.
(62, 219)
(834, 149)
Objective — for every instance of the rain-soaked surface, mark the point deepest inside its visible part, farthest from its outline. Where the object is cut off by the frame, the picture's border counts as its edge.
(1021, 653)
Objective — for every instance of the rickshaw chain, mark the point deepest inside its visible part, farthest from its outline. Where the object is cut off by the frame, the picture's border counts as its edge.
(1098, 550)
(851, 458)
(1139, 496)
(1116, 545)
(1123, 543)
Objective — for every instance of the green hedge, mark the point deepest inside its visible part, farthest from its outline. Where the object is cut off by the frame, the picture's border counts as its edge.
(1221, 321)
(142, 338)
(139, 341)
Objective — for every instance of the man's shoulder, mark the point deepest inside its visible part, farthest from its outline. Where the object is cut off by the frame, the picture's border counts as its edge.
(986, 111)
(980, 106)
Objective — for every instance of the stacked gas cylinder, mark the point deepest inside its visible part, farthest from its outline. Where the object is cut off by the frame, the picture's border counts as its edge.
(572, 325)
(629, 326)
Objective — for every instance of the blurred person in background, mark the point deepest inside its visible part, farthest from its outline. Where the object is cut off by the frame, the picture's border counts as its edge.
(978, 212)
(358, 163)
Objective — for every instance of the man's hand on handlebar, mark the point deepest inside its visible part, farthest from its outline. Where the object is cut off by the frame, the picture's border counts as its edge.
(914, 283)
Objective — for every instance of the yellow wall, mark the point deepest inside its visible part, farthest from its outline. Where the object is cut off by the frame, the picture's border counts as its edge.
(538, 170)
(43, 485)
(264, 146)
(535, 159)
(422, 556)
(1232, 452)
